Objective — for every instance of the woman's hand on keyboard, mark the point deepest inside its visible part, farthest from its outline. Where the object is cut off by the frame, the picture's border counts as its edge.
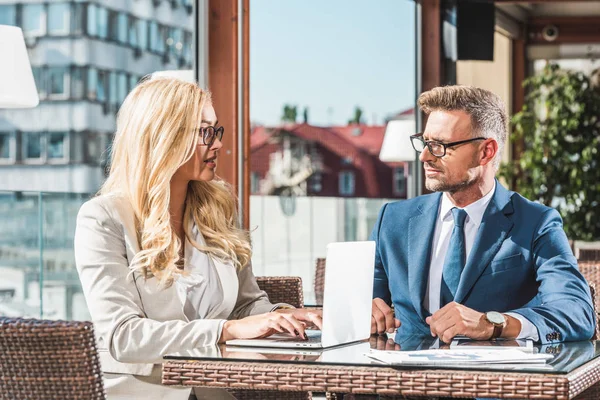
(306, 315)
(262, 325)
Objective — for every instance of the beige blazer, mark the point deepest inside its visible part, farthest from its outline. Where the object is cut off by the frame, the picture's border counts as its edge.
(136, 321)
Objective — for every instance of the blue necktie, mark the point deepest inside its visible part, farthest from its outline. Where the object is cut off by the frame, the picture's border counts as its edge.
(455, 258)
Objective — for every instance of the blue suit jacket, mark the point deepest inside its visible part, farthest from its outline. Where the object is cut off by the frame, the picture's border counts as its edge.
(520, 262)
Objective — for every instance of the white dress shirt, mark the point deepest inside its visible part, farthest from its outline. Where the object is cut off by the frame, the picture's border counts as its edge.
(441, 240)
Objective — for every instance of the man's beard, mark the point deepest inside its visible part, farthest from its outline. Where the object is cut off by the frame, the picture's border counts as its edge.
(440, 185)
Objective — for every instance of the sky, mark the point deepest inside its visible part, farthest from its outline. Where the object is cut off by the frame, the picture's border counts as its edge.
(331, 56)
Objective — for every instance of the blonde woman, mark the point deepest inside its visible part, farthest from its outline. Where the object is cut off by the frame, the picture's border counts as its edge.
(163, 264)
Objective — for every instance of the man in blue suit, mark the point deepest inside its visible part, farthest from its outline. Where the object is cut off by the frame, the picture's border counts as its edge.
(474, 259)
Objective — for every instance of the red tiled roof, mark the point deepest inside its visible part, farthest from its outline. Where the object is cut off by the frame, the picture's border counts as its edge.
(370, 138)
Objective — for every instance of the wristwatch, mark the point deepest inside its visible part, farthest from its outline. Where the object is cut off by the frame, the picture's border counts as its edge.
(496, 319)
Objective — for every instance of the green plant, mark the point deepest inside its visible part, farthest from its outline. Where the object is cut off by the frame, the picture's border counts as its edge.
(559, 131)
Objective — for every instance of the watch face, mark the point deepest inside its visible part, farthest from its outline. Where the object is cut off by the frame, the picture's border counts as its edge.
(495, 317)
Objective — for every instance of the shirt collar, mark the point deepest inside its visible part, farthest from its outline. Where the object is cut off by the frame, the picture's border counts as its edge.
(474, 210)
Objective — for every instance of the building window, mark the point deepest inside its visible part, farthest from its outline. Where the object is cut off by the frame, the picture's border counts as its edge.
(121, 87)
(92, 17)
(399, 183)
(77, 83)
(188, 44)
(8, 15)
(77, 21)
(33, 23)
(175, 41)
(58, 145)
(123, 28)
(59, 19)
(92, 84)
(134, 32)
(102, 86)
(32, 146)
(102, 22)
(58, 82)
(7, 147)
(347, 183)
(142, 27)
(133, 81)
(38, 77)
(113, 97)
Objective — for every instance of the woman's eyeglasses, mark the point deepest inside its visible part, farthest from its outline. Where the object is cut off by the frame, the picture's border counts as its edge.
(210, 133)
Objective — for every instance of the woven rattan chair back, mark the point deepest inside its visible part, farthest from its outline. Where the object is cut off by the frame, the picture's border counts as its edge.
(591, 272)
(319, 280)
(283, 289)
(280, 289)
(49, 360)
(589, 255)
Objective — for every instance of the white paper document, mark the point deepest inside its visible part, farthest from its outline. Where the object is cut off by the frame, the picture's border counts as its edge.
(463, 357)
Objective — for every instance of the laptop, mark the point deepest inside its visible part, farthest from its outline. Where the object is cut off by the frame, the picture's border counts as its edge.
(347, 299)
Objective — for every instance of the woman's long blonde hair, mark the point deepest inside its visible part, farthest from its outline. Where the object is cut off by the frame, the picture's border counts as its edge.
(156, 134)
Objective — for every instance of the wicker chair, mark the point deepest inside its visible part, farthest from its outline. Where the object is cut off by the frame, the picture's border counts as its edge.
(589, 255)
(319, 280)
(280, 289)
(591, 272)
(283, 289)
(49, 360)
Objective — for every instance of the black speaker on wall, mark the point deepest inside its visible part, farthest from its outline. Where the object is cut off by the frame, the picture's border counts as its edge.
(468, 29)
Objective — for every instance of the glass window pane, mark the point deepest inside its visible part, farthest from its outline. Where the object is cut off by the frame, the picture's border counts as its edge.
(161, 42)
(153, 36)
(121, 87)
(112, 91)
(133, 81)
(92, 83)
(102, 23)
(77, 21)
(188, 49)
(133, 32)
(59, 18)
(38, 77)
(123, 28)
(56, 81)
(8, 15)
(33, 19)
(92, 20)
(102, 85)
(32, 142)
(142, 27)
(77, 83)
(175, 41)
(56, 145)
(5, 145)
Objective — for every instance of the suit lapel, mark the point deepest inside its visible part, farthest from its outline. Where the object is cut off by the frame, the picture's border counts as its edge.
(420, 235)
(493, 230)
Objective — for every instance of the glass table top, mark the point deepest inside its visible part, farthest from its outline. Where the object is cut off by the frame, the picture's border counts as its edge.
(566, 356)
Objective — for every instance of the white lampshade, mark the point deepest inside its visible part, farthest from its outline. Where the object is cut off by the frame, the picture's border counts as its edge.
(17, 87)
(396, 145)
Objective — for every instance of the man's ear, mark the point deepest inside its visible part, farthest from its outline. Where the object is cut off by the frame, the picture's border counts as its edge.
(489, 150)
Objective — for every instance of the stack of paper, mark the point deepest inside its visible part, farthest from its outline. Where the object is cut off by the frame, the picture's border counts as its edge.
(463, 357)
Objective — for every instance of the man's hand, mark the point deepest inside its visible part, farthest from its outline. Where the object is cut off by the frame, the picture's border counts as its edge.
(382, 343)
(455, 319)
(382, 318)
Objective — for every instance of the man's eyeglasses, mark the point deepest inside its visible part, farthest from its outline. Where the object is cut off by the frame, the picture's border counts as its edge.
(210, 133)
(437, 149)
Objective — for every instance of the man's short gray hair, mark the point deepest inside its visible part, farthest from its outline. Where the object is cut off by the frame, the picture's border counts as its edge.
(487, 110)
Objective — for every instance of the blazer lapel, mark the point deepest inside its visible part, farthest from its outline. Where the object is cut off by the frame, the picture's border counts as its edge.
(420, 235)
(493, 230)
